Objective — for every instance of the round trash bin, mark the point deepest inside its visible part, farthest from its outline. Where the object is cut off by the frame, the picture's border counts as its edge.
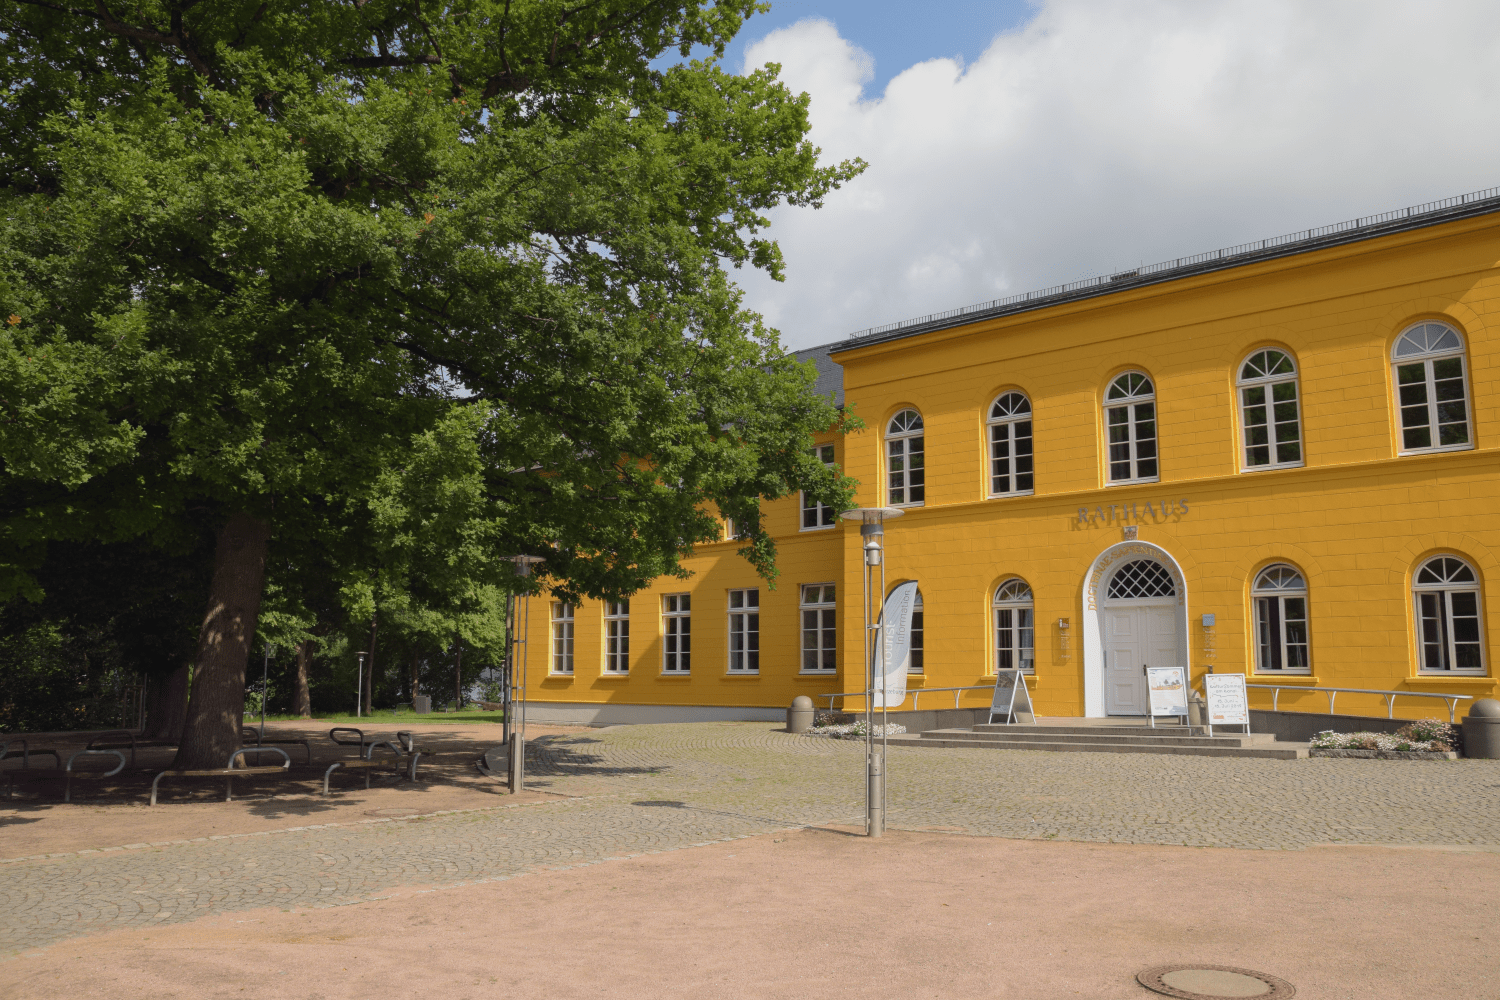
(799, 717)
(1482, 730)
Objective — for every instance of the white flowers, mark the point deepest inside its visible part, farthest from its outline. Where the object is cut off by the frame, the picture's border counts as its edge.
(856, 730)
(1330, 740)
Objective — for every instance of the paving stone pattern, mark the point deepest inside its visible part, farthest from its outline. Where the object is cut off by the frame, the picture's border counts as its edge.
(642, 789)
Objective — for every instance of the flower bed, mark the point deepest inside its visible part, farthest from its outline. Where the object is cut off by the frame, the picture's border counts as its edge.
(855, 730)
(1426, 739)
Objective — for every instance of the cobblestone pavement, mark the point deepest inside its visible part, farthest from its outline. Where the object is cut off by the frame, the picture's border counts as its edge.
(641, 789)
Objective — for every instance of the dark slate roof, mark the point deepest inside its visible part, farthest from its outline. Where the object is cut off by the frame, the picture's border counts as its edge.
(1365, 228)
(830, 374)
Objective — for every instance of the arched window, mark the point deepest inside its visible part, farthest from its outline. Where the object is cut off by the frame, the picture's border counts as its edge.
(1445, 595)
(906, 478)
(1269, 411)
(1431, 390)
(1015, 628)
(1280, 596)
(1130, 419)
(915, 664)
(1010, 445)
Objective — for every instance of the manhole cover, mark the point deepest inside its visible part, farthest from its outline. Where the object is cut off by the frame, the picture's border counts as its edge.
(1214, 982)
(391, 811)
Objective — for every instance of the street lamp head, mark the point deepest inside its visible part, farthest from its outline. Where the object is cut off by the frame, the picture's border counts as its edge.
(872, 519)
(872, 552)
(524, 564)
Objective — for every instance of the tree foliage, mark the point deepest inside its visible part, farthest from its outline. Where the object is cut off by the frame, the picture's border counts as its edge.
(412, 285)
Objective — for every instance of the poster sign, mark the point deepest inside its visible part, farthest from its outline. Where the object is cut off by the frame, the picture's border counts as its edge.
(1011, 702)
(893, 652)
(1167, 690)
(1227, 704)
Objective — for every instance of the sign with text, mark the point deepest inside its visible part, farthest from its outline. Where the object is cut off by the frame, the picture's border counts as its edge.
(1166, 688)
(1011, 701)
(1227, 704)
(893, 651)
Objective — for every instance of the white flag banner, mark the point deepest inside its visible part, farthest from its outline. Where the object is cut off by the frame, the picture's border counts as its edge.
(893, 654)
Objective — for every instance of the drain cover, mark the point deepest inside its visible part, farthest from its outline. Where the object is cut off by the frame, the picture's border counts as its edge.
(1214, 982)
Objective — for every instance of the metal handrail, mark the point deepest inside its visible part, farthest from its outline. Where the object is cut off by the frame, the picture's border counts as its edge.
(916, 693)
(1389, 696)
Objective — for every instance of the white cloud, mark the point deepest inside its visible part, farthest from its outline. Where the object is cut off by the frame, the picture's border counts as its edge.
(1110, 133)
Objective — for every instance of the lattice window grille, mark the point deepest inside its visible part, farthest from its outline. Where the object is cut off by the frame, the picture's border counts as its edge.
(1142, 578)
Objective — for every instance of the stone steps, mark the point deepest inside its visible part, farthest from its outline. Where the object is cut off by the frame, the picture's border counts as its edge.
(1106, 736)
(1106, 739)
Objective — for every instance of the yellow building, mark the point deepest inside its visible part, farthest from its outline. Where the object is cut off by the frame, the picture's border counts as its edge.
(1277, 459)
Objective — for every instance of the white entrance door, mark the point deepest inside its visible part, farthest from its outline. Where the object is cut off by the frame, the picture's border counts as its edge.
(1136, 636)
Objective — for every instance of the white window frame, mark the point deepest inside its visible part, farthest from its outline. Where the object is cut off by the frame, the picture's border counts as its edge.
(744, 631)
(1008, 421)
(677, 634)
(1441, 593)
(617, 637)
(564, 617)
(823, 516)
(1428, 357)
(918, 662)
(1273, 587)
(1010, 611)
(898, 446)
(1130, 404)
(1268, 383)
(819, 600)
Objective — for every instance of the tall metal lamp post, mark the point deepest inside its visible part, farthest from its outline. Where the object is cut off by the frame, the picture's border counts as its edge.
(872, 530)
(265, 670)
(359, 686)
(517, 748)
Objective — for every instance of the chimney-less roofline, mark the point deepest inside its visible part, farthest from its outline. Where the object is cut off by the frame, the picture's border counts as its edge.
(1366, 227)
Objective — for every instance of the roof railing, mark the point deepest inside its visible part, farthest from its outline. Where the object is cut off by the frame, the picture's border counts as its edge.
(1364, 222)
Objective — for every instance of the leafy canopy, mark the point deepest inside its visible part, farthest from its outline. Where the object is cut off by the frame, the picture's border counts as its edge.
(281, 257)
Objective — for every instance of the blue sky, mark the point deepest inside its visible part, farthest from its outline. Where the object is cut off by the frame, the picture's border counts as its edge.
(897, 35)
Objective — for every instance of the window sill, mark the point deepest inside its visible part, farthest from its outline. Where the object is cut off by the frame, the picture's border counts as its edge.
(1270, 676)
(614, 675)
(553, 675)
(1439, 680)
(1249, 469)
(1132, 482)
(675, 675)
(817, 673)
(820, 527)
(1018, 493)
(909, 506)
(1436, 451)
(743, 674)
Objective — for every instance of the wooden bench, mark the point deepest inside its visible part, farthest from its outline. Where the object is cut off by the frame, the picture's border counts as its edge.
(254, 739)
(26, 751)
(229, 772)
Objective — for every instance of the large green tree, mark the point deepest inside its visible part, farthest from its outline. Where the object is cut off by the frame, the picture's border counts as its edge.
(251, 251)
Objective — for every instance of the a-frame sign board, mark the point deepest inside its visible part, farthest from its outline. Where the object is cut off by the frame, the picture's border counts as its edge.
(1011, 701)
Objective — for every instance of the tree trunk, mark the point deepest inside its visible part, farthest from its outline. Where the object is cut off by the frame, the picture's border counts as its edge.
(458, 676)
(301, 699)
(166, 705)
(416, 677)
(217, 702)
(370, 679)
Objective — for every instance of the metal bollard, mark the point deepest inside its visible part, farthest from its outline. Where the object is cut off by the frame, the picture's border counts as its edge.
(877, 795)
(517, 763)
